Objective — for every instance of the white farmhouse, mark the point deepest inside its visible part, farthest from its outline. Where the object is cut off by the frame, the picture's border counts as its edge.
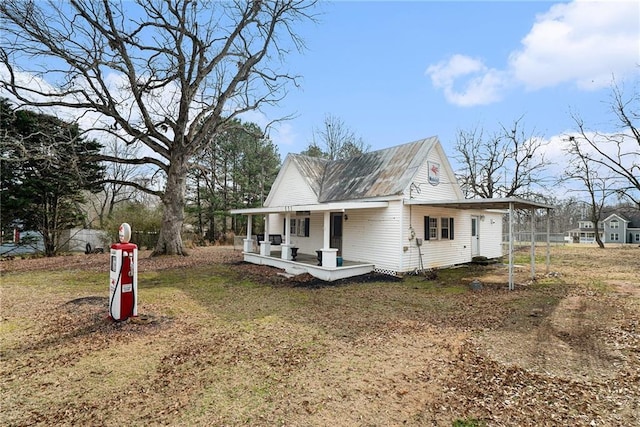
(395, 211)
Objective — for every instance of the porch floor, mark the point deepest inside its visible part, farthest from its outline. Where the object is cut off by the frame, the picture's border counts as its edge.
(307, 263)
(312, 259)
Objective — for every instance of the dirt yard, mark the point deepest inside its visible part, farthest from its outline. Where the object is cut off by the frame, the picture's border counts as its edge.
(221, 342)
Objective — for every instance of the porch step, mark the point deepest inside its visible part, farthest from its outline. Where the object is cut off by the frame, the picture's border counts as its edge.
(293, 271)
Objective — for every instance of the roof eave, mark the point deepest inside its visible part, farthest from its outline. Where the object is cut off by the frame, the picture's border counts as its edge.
(321, 207)
(502, 203)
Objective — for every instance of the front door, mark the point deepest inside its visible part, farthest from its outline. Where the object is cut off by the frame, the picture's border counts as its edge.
(336, 231)
(475, 236)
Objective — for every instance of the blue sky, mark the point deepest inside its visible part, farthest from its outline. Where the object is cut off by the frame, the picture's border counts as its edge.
(395, 72)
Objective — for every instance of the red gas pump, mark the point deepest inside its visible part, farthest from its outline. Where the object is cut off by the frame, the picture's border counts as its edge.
(123, 287)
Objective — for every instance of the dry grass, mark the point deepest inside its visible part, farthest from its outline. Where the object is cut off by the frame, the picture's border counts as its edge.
(225, 343)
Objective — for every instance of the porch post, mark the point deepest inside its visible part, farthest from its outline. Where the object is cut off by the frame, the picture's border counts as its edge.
(287, 231)
(248, 242)
(265, 245)
(326, 243)
(533, 243)
(329, 255)
(286, 245)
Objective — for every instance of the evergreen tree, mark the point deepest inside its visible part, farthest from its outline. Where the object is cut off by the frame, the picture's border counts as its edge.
(44, 171)
(236, 170)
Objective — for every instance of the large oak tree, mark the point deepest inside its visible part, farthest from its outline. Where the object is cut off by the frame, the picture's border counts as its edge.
(161, 74)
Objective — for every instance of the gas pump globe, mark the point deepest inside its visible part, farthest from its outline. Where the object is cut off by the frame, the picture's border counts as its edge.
(123, 277)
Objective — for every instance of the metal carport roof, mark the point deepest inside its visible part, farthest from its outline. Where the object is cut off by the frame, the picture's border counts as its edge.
(509, 204)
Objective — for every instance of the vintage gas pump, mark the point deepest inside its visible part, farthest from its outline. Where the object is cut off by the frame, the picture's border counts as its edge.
(123, 287)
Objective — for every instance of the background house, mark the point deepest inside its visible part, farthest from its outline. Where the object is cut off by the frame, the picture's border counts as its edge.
(620, 225)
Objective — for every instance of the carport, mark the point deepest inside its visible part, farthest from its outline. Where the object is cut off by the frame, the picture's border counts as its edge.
(509, 204)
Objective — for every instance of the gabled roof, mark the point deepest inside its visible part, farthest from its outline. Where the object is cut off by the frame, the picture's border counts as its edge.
(379, 173)
(627, 213)
(311, 169)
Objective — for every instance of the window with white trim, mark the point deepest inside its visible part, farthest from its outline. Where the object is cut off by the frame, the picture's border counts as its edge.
(299, 227)
(446, 228)
(431, 228)
(438, 230)
(637, 237)
(614, 237)
(614, 223)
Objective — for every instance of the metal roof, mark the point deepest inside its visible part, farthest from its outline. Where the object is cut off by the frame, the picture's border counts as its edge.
(379, 173)
(503, 203)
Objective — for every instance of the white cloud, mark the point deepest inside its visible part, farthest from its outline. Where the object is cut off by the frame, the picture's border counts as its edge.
(586, 43)
(583, 42)
(483, 85)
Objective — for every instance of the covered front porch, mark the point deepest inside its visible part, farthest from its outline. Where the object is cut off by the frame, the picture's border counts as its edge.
(323, 261)
(306, 263)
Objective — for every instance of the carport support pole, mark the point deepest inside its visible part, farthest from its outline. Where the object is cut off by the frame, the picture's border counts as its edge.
(548, 239)
(510, 246)
(533, 243)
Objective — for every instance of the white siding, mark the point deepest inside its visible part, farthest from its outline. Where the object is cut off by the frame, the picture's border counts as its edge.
(373, 235)
(292, 189)
(448, 187)
(309, 245)
(442, 253)
(305, 245)
(436, 253)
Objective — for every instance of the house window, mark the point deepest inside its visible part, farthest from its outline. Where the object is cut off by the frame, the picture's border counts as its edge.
(434, 230)
(430, 228)
(614, 223)
(614, 237)
(637, 237)
(446, 228)
(299, 227)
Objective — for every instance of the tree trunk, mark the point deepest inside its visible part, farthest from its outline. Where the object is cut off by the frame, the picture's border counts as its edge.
(598, 239)
(173, 201)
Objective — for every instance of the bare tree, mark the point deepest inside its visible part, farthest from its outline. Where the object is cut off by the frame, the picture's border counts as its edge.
(618, 153)
(335, 140)
(162, 74)
(582, 170)
(114, 191)
(508, 163)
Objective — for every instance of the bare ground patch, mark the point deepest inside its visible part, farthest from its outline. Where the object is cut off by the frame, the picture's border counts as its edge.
(222, 342)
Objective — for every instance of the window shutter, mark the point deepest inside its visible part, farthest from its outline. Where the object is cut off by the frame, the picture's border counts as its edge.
(306, 227)
(450, 228)
(426, 228)
(284, 226)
